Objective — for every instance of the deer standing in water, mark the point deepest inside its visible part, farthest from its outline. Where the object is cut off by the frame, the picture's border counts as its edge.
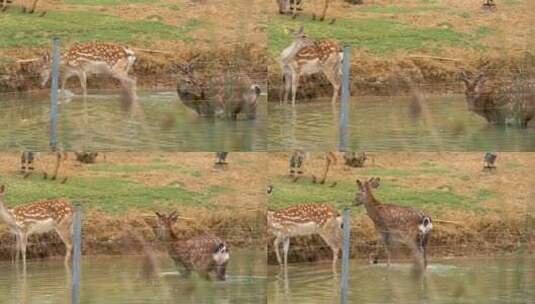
(500, 105)
(304, 220)
(93, 58)
(307, 57)
(395, 224)
(37, 218)
(204, 253)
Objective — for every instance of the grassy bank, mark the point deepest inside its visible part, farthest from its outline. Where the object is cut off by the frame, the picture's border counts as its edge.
(119, 195)
(481, 212)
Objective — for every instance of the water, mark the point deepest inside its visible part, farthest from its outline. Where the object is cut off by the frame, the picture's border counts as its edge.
(117, 279)
(389, 124)
(103, 121)
(485, 280)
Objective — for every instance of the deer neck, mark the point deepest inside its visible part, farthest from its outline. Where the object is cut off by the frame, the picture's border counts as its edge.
(6, 216)
(371, 203)
(297, 45)
(172, 233)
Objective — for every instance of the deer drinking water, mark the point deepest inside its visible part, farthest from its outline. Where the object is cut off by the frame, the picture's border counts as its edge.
(36, 218)
(395, 224)
(505, 105)
(204, 253)
(307, 57)
(93, 58)
(303, 220)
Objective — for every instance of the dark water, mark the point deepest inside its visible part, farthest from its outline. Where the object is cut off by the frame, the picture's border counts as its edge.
(393, 124)
(485, 280)
(110, 280)
(103, 121)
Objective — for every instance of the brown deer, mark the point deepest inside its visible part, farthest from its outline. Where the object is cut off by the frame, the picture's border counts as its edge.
(5, 4)
(93, 58)
(221, 96)
(36, 218)
(307, 57)
(303, 220)
(296, 164)
(506, 105)
(355, 159)
(395, 224)
(204, 253)
(330, 160)
(285, 6)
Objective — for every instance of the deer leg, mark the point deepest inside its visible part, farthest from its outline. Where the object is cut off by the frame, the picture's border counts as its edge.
(324, 12)
(83, 82)
(334, 79)
(386, 242)
(276, 245)
(295, 84)
(23, 246)
(287, 86)
(64, 230)
(286, 246)
(58, 164)
(34, 5)
(17, 248)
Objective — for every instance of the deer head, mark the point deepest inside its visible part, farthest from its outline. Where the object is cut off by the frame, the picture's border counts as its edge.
(474, 86)
(363, 193)
(165, 225)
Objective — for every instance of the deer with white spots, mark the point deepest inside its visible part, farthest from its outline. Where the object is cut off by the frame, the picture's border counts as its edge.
(37, 218)
(395, 224)
(203, 253)
(307, 57)
(93, 58)
(305, 220)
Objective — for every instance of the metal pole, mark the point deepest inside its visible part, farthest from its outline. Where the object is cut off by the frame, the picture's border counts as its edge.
(77, 251)
(345, 258)
(344, 103)
(54, 93)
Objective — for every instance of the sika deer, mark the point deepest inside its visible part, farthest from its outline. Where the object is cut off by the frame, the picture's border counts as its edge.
(395, 223)
(94, 58)
(224, 95)
(28, 159)
(307, 57)
(204, 253)
(305, 219)
(510, 104)
(38, 217)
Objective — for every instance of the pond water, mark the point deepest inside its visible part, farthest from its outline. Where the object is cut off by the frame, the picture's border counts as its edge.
(469, 280)
(393, 124)
(119, 279)
(104, 121)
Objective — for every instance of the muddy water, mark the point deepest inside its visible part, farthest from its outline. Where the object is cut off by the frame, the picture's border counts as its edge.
(113, 280)
(104, 121)
(385, 123)
(485, 280)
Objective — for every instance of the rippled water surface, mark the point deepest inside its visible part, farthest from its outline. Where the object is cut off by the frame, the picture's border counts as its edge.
(486, 280)
(385, 123)
(104, 121)
(112, 280)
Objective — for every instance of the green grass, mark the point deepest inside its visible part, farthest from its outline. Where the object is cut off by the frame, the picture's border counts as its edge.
(27, 30)
(377, 35)
(161, 165)
(443, 198)
(108, 194)
(404, 172)
(398, 9)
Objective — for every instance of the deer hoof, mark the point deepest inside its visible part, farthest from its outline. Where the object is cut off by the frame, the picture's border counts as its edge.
(64, 180)
(26, 175)
(294, 16)
(45, 176)
(42, 14)
(313, 16)
(333, 21)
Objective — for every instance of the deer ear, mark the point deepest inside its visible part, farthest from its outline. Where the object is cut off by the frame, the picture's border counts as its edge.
(359, 184)
(158, 214)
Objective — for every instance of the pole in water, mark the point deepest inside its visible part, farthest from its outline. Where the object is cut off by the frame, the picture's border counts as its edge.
(345, 258)
(54, 93)
(344, 103)
(77, 251)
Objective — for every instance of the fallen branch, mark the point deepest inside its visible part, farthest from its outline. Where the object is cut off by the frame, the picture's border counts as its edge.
(152, 51)
(447, 222)
(27, 60)
(434, 57)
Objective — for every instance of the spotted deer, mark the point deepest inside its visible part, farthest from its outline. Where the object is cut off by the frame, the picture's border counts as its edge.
(304, 220)
(307, 57)
(204, 253)
(296, 164)
(395, 224)
(37, 218)
(93, 58)
(355, 159)
(506, 105)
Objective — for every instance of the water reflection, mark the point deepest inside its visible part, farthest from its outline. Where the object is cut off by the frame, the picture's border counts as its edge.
(393, 123)
(108, 121)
